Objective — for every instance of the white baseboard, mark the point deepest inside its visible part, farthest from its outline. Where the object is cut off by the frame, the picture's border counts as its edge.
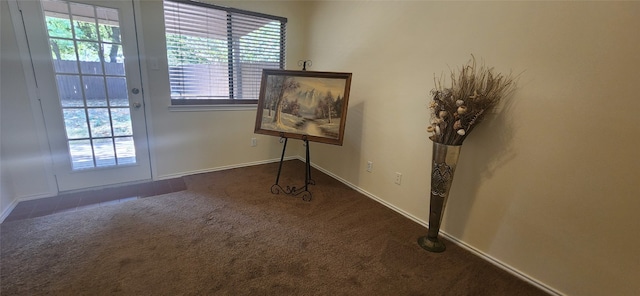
(453, 239)
(8, 210)
(221, 168)
(15, 202)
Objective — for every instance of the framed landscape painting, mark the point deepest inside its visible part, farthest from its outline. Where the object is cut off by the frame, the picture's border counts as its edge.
(303, 105)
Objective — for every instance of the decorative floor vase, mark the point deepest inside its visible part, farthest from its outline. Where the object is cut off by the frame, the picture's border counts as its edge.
(444, 160)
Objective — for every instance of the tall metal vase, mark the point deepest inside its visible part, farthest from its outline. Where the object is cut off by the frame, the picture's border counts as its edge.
(444, 161)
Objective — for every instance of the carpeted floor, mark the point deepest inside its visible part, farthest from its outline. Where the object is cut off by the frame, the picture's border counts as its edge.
(228, 235)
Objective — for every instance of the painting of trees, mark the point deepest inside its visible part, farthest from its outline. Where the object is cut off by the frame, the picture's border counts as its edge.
(329, 107)
(303, 104)
(338, 106)
(281, 86)
(291, 107)
(328, 103)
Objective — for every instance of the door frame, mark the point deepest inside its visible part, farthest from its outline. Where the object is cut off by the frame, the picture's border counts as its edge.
(38, 112)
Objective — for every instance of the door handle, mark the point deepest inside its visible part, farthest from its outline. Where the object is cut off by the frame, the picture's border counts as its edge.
(135, 91)
(137, 105)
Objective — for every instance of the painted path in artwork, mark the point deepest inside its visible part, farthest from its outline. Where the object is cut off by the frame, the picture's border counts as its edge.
(317, 127)
(311, 128)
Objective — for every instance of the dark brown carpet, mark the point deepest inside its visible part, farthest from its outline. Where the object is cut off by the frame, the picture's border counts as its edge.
(228, 235)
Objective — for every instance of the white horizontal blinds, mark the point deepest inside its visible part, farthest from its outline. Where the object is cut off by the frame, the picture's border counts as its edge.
(197, 51)
(217, 53)
(257, 44)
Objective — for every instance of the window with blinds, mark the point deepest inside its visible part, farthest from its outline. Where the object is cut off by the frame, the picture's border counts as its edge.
(216, 54)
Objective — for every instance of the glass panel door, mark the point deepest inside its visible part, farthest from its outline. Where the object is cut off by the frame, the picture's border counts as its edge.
(85, 60)
(90, 75)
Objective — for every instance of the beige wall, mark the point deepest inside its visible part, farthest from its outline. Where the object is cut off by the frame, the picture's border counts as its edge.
(549, 187)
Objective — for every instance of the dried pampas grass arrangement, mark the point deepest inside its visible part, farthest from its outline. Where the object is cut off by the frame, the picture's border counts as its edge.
(458, 109)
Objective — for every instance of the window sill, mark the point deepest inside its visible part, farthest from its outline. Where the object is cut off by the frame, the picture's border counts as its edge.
(206, 108)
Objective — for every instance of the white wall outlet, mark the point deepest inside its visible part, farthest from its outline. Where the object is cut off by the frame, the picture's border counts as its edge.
(398, 179)
(254, 142)
(369, 166)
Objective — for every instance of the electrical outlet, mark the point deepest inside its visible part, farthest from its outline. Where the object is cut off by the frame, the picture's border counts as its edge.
(254, 142)
(369, 166)
(398, 178)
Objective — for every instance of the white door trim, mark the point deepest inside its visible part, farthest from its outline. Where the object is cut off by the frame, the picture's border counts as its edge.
(32, 93)
(144, 80)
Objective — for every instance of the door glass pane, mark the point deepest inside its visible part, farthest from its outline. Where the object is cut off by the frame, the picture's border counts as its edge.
(113, 59)
(84, 30)
(89, 55)
(64, 56)
(81, 154)
(94, 91)
(125, 150)
(108, 25)
(121, 122)
(84, 22)
(117, 90)
(75, 121)
(99, 122)
(57, 18)
(95, 99)
(105, 155)
(70, 90)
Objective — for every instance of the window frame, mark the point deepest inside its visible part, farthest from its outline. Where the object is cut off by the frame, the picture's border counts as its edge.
(231, 103)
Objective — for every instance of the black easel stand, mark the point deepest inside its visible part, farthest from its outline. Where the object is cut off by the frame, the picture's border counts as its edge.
(305, 194)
